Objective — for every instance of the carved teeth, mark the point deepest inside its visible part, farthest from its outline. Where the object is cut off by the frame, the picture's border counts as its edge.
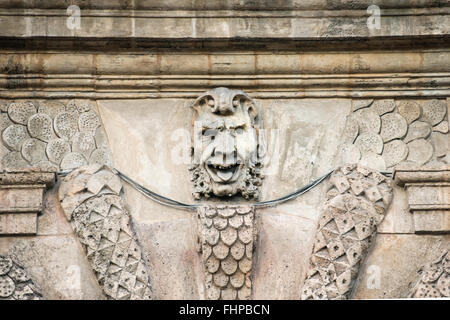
(223, 166)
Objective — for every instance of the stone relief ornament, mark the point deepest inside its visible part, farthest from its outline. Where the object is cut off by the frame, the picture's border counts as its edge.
(434, 280)
(383, 133)
(92, 201)
(15, 284)
(227, 235)
(227, 144)
(52, 133)
(355, 205)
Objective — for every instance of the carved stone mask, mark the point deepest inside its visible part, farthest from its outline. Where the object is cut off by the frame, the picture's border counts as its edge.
(227, 144)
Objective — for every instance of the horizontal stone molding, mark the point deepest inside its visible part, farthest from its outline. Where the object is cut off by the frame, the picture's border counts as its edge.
(18, 223)
(287, 21)
(409, 175)
(182, 86)
(414, 65)
(28, 176)
(21, 198)
(232, 5)
(124, 94)
(139, 75)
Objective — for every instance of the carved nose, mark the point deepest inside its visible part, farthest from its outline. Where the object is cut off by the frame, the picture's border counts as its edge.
(225, 148)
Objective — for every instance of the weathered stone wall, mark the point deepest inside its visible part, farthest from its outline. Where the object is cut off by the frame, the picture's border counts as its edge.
(331, 91)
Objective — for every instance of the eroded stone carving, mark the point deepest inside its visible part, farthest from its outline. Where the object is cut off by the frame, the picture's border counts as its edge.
(434, 281)
(91, 199)
(410, 110)
(52, 133)
(227, 144)
(420, 151)
(394, 152)
(434, 111)
(354, 207)
(393, 126)
(15, 284)
(227, 237)
(384, 106)
(423, 126)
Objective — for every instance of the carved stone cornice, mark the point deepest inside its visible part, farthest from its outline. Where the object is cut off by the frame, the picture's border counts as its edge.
(428, 190)
(21, 199)
(163, 74)
(217, 5)
(224, 20)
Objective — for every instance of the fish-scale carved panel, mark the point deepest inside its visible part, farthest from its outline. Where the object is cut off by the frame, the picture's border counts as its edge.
(227, 237)
(383, 133)
(51, 133)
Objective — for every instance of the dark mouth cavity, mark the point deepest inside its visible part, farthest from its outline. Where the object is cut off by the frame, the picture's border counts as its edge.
(223, 167)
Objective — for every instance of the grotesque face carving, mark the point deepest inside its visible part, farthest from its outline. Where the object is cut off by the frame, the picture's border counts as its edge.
(227, 144)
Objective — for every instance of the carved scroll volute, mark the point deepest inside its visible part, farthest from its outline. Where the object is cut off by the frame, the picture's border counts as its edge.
(227, 145)
(227, 237)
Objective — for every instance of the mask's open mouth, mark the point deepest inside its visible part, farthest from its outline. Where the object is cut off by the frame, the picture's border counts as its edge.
(225, 172)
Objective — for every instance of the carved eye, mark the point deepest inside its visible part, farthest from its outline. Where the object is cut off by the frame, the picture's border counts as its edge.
(210, 133)
(239, 131)
(211, 102)
(236, 102)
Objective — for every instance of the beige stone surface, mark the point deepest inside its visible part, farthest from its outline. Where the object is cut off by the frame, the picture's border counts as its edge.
(57, 265)
(381, 278)
(398, 218)
(170, 248)
(52, 220)
(256, 20)
(148, 143)
(432, 221)
(302, 145)
(310, 64)
(54, 257)
(21, 198)
(18, 223)
(284, 243)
